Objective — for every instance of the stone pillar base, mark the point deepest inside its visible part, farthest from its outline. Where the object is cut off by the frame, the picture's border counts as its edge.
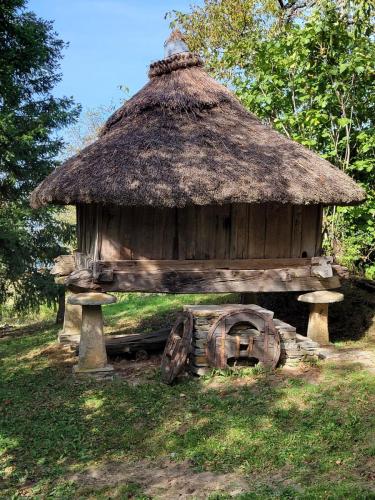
(72, 322)
(317, 329)
(105, 373)
(67, 338)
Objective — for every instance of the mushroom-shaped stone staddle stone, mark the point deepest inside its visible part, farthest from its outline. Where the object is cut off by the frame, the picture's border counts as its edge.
(92, 353)
(317, 329)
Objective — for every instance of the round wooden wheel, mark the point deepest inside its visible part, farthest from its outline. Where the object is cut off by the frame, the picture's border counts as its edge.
(263, 343)
(177, 348)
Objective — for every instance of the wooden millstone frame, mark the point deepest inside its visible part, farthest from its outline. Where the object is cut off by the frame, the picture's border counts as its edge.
(262, 342)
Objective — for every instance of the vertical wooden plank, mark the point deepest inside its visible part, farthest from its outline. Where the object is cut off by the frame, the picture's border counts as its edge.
(284, 230)
(319, 232)
(273, 222)
(92, 231)
(296, 232)
(98, 232)
(168, 220)
(88, 229)
(203, 232)
(310, 217)
(142, 233)
(222, 232)
(110, 231)
(239, 238)
(278, 231)
(79, 228)
(257, 231)
(187, 232)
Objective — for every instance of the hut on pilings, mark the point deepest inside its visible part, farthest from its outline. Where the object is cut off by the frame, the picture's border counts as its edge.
(186, 191)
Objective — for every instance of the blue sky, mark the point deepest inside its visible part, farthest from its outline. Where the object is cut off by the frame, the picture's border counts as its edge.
(112, 43)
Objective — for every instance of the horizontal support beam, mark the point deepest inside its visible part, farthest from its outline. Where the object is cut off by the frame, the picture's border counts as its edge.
(210, 281)
(201, 265)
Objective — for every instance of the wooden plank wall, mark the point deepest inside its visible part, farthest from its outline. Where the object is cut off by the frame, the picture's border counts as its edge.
(236, 231)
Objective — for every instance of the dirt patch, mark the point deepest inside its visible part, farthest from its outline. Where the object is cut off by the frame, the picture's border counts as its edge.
(59, 355)
(167, 480)
(352, 319)
(139, 370)
(302, 371)
(362, 357)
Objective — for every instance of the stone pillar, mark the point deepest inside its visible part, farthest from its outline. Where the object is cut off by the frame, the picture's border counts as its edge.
(317, 329)
(318, 319)
(72, 321)
(92, 352)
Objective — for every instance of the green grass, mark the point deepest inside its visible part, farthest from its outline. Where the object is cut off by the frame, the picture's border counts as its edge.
(291, 436)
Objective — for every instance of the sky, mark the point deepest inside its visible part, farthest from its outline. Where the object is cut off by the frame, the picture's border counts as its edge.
(111, 43)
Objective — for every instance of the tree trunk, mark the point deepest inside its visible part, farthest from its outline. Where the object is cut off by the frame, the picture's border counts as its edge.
(61, 306)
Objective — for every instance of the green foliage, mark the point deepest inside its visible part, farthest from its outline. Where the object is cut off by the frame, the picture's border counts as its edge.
(309, 74)
(30, 117)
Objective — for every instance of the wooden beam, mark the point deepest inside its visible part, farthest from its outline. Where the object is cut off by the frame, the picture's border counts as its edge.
(129, 343)
(202, 265)
(211, 281)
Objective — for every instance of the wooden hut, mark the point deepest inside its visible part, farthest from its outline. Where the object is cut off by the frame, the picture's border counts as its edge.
(186, 191)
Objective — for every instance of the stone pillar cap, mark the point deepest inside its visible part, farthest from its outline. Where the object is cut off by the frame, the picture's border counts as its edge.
(321, 297)
(91, 299)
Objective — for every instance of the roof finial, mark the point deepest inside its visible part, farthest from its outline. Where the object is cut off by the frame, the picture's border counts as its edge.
(175, 44)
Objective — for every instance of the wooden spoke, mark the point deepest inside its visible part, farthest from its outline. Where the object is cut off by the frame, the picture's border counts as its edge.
(177, 349)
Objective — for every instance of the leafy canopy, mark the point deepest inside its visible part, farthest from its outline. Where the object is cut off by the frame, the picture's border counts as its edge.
(307, 69)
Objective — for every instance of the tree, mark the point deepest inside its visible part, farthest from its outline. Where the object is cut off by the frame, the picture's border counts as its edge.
(307, 69)
(30, 118)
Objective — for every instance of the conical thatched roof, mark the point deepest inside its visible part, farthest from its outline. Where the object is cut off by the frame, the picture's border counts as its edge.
(185, 139)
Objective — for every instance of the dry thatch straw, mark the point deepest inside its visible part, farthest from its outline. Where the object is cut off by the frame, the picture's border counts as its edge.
(184, 139)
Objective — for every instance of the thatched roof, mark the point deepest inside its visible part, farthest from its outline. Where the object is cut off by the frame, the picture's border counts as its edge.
(185, 139)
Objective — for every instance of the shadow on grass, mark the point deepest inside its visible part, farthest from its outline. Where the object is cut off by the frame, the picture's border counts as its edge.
(299, 432)
(348, 320)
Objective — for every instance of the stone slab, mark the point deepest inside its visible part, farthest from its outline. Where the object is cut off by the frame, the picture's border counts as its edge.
(321, 297)
(105, 373)
(91, 299)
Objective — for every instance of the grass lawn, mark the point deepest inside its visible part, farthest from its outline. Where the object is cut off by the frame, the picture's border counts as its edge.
(297, 434)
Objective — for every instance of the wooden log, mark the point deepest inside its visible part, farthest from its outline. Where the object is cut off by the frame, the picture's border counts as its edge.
(219, 281)
(133, 342)
(202, 265)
